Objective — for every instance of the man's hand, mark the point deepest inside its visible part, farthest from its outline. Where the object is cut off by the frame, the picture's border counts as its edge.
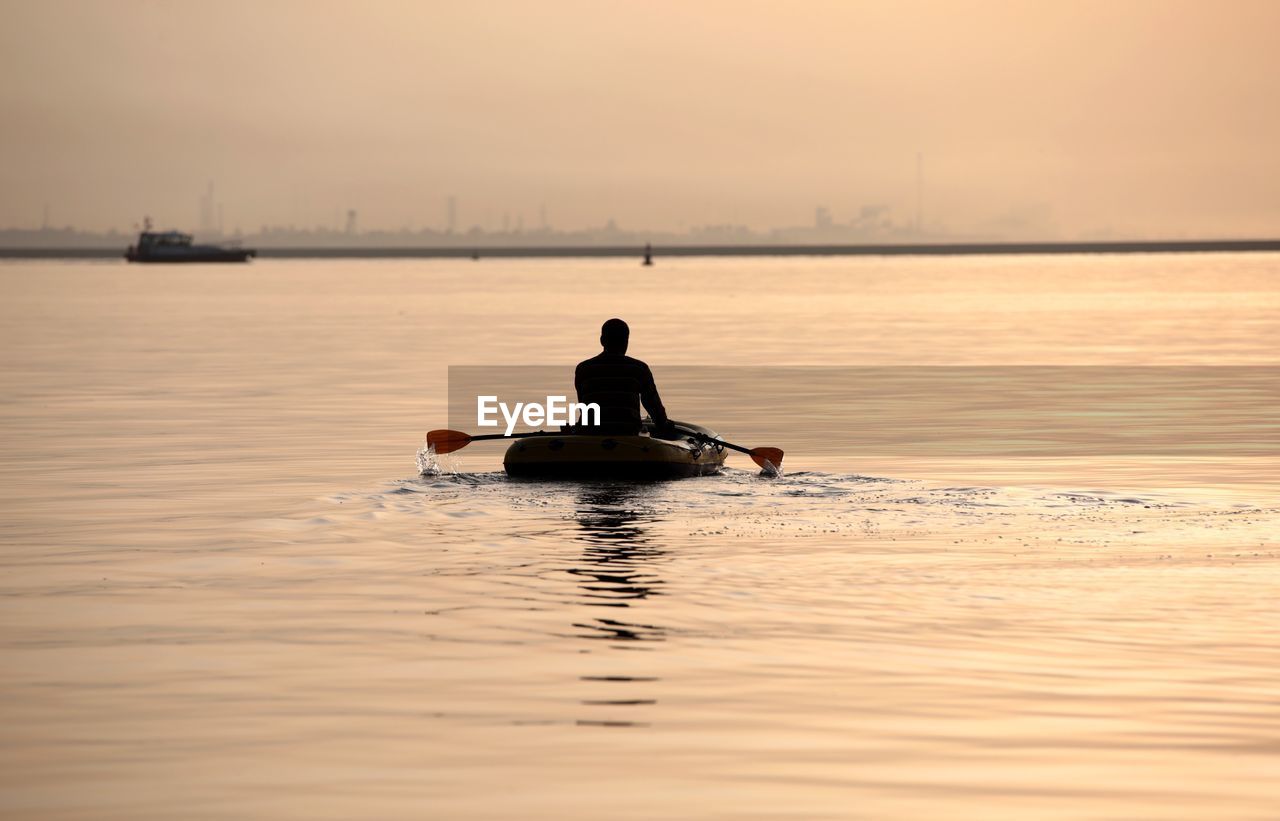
(667, 431)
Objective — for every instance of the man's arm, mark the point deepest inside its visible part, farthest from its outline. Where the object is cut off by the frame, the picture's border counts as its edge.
(653, 402)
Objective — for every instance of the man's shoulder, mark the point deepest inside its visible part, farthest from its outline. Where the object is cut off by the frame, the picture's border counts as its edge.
(613, 360)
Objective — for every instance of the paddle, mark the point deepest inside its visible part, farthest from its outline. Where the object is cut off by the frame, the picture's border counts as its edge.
(447, 441)
(769, 459)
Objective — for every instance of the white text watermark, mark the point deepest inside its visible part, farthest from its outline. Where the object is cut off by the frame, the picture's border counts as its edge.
(557, 410)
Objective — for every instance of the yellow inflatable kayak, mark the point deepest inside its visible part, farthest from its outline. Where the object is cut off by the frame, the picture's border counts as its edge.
(577, 456)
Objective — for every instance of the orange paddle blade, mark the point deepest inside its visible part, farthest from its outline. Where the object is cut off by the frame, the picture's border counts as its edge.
(767, 458)
(447, 441)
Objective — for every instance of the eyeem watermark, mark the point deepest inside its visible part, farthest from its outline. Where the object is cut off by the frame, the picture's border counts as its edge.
(558, 410)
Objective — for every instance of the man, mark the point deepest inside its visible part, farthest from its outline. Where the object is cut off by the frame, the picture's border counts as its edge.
(618, 384)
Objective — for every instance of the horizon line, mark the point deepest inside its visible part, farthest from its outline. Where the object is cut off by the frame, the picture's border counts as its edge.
(691, 250)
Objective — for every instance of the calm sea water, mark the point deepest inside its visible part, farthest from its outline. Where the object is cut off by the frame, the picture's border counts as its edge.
(228, 592)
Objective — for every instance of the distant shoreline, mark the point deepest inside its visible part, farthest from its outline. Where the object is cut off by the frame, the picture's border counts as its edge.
(922, 249)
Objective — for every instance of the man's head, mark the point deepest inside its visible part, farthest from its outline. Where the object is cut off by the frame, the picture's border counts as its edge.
(614, 336)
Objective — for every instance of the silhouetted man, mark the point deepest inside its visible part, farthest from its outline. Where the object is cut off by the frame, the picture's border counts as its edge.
(618, 384)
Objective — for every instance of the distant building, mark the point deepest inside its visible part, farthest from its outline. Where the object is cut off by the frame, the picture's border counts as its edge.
(208, 211)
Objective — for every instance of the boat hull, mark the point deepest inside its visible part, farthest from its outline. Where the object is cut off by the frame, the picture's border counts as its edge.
(220, 255)
(610, 457)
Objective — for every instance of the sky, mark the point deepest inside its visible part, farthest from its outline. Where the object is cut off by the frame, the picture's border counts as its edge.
(1138, 118)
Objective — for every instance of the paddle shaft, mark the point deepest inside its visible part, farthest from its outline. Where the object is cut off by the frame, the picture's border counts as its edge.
(711, 439)
(693, 433)
(714, 441)
(484, 436)
(448, 441)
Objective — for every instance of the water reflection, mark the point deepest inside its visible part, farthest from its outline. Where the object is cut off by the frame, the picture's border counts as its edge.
(616, 566)
(617, 570)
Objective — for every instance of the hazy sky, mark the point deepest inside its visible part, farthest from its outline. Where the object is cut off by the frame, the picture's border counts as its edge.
(1147, 118)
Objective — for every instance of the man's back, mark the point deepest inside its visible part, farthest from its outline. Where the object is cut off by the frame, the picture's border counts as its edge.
(618, 384)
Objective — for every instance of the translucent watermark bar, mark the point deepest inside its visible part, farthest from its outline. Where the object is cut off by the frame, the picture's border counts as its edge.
(983, 412)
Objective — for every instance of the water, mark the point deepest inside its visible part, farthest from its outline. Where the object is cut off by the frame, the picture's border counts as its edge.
(228, 594)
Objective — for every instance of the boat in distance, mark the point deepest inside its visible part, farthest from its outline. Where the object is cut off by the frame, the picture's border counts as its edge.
(175, 246)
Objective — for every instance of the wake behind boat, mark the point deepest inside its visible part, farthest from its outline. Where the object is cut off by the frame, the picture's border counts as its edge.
(175, 246)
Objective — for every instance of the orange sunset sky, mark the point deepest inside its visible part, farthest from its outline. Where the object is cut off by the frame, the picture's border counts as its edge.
(1051, 119)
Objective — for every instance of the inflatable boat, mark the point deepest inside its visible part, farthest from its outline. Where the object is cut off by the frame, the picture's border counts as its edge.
(579, 456)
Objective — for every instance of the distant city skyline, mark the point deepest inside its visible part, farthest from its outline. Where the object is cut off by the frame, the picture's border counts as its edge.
(210, 218)
(866, 221)
(872, 225)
